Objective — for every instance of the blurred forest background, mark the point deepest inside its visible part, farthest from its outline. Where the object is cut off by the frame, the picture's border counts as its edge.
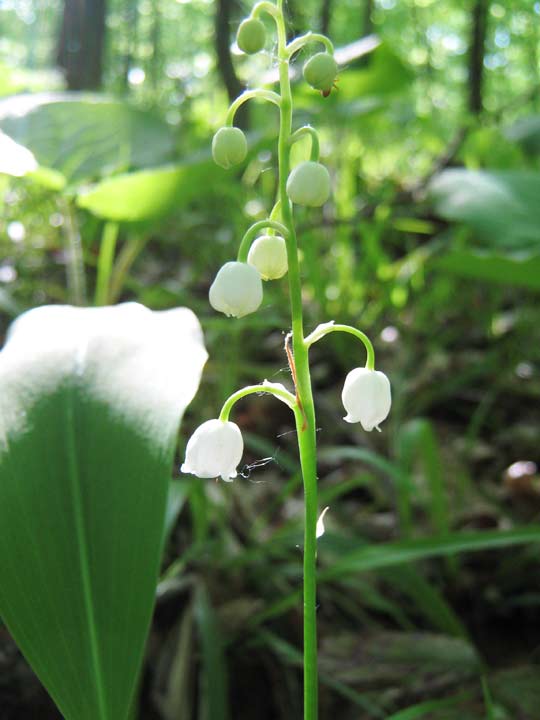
(430, 244)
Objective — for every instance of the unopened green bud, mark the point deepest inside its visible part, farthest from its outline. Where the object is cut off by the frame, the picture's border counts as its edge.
(309, 184)
(320, 71)
(251, 36)
(268, 255)
(229, 147)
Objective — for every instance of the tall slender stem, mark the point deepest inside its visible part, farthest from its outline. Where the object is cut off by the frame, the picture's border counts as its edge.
(305, 420)
(74, 256)
(105, 262)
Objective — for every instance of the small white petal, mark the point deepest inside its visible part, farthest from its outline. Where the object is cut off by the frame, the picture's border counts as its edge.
(320, 523)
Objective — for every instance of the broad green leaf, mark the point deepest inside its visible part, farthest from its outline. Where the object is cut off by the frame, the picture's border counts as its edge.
(522, 271)
(90, 402)
(502, 207)
(85, 136)
(147, 194)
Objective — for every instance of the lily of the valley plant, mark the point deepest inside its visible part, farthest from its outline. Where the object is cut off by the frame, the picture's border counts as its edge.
(268, 251)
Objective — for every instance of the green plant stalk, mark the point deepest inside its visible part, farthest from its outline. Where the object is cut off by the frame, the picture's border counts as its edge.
(74, 256)
(105, 262)
(305, 420)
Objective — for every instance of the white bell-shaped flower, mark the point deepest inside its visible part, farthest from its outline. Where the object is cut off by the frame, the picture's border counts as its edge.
(214, 449)
(236, 290)
(366, 397)
(268, 255)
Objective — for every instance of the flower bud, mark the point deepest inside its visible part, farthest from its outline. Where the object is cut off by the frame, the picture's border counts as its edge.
(214, 449)
(268, 255)
(366, 397)
(229, 147)
(309, 184)
(320, 71)
(236, 290)
(251, 36)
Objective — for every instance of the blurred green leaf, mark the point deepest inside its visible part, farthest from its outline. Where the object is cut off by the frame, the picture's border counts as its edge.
(502, 208)
(8, 305)
(147, 194)
(371, 557)
(214, 701)
(518, 690)
(526, 132)
(417, 442)
(90, 405)
(389, 657)
(478, 150)
(433, 708)
(85, 136)
(385, 73)
(521, 271)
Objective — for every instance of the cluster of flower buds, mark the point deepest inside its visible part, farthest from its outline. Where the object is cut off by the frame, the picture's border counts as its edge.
(236, 290)
(216, 447)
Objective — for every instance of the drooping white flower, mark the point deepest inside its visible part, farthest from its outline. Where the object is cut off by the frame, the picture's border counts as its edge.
(214, 449)
(268, 255)
(366, 397)
(236, 290)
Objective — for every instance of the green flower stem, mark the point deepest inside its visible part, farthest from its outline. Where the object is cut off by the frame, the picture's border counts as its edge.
(252, 232)
(105, 262)
(272, 388)
(313, 134)
(268, 95)
(304, 40)
(305, 419)
(329, 327)
(265, 7)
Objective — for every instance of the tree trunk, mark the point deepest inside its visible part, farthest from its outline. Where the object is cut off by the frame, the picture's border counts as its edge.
(476, 54)
(367, 22)
(224, 59)
(81, 42)
(326, 12)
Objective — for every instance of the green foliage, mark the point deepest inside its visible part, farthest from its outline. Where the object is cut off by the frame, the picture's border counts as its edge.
(522, 270)
(85, 136)
(145, 195)
(85, 459)
(500, 207)
(447, 283)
